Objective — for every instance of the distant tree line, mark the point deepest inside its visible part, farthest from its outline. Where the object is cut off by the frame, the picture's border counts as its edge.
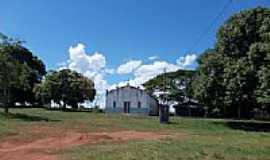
(232, 78)
(23, 79)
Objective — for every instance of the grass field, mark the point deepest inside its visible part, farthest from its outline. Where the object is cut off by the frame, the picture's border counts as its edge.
(191, 139)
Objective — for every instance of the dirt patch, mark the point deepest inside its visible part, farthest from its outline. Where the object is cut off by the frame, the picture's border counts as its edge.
(47, 148)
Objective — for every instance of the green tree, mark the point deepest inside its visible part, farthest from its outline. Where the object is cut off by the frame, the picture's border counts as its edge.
(241, 53)
(178, 85)
(36, 68)
(65, 87)
(12, 75)
(208, 84)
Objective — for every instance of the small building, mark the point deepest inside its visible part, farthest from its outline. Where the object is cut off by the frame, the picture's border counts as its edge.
(190, 108)
(131, 100)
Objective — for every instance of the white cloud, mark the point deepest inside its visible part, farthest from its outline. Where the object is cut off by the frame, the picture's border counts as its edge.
(146, 72)
(82, 62)
(153, 58)
(129, 66)
(187, 60)
(61, 65)
(109, 71)
(92, 66)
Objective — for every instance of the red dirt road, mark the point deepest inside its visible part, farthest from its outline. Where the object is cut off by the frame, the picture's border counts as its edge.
(47, 148)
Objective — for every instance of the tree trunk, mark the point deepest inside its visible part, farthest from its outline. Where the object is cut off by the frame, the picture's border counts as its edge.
(239, 112)
(6, 109)
(64, 106)
(205, 112)
(6, 101)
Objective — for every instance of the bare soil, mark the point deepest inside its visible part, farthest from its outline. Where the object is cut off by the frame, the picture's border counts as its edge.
(48, 147)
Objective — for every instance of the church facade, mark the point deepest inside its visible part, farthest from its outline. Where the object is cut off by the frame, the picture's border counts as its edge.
(130, 100)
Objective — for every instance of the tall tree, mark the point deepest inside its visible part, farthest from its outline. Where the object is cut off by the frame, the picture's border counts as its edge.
(243, 47)
(12, 75)
(22, 55)
(66, 87)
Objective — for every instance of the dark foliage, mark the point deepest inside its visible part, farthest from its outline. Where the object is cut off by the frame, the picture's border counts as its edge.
(233, 78)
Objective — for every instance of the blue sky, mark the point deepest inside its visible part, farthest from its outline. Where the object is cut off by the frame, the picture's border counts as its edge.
(120, 30)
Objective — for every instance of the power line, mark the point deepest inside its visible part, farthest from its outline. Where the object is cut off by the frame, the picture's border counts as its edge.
(206, 31)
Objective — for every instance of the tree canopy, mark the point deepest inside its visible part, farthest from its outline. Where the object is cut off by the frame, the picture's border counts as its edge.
(65, 87)
(233, 76)
(19, 54)
(177, 86)
(13, 75)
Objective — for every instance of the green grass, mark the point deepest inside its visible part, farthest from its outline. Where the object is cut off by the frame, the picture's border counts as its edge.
(207, 139)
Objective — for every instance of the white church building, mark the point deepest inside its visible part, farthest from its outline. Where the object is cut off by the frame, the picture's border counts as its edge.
(130, 100)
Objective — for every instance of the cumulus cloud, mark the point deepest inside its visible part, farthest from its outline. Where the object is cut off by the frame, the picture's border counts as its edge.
(146, 72)
(129, 66)
(92, 66)
(81, 62)
(186, 60)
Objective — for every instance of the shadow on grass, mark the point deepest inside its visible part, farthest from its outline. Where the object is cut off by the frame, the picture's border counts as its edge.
(249, 126)
(172, 123)
(76, 110)
(26, 117)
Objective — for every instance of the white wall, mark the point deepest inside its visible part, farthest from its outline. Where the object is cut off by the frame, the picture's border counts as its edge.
(130, 94)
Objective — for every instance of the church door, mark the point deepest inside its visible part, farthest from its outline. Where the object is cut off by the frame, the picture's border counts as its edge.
(126, 107)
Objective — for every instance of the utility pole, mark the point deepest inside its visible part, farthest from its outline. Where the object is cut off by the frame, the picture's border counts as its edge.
(164, 108)
(164, 86)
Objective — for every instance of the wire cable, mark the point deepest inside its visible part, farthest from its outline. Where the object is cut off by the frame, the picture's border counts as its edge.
(206, 31)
